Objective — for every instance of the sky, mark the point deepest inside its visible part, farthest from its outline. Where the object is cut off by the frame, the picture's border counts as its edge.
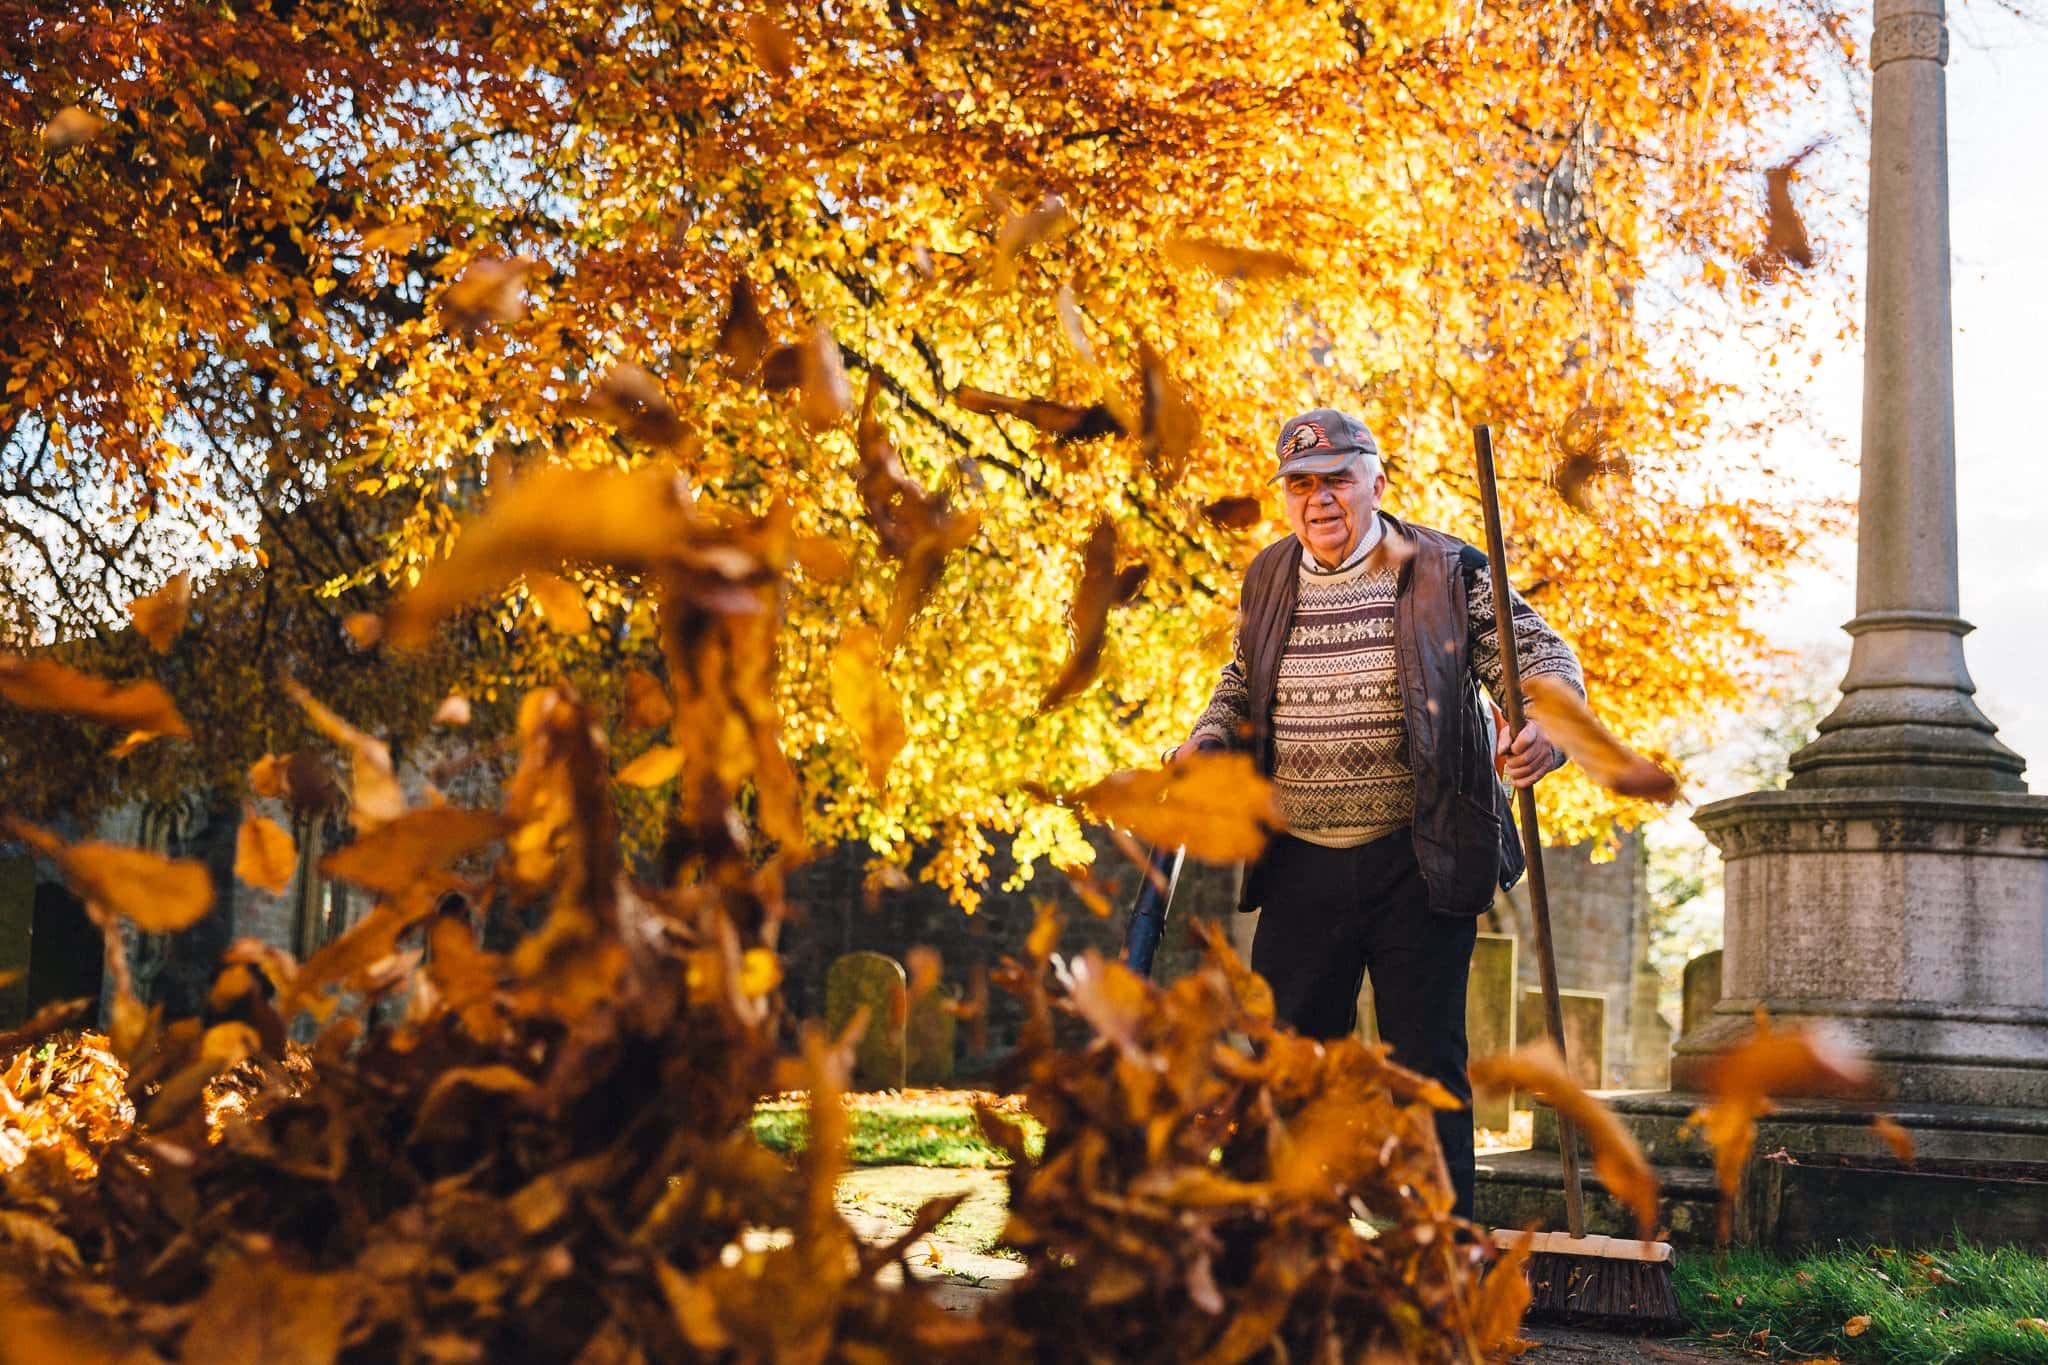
(1998, 226)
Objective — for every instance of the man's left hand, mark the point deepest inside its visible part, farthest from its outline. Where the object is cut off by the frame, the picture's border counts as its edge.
(1528, 758)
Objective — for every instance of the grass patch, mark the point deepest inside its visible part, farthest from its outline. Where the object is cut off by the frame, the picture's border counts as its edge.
(895, 1135)
(1955, 1304)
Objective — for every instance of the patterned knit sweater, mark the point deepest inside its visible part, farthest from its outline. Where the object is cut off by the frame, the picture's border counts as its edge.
(1340, 752)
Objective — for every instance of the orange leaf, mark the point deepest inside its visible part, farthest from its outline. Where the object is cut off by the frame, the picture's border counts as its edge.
(72, 127)
(376, 798)
(1570, 725)
(266, 777)
(1102, 586)
(647, 703)
(1856, 1326)
(264, 853)
(1234, 513)
(157, 894)
(44, 685)
(773, 48)
(827, 394)
(453, 710)
(1213, 804)
(631, 399)
(1168, 421)
(1895, 1137)
(554, 514)
(161, 615)
(743, 336)
(658, 765)
(365, 628)
(1019, 232)
(397, 856)
(1243, 263)
(489, 290)
(1617, 1160)
(561, 603)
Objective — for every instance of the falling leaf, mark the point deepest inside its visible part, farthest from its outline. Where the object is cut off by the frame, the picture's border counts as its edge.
(1856, 1326)
(1570, 725)
(631, 399)
(647, 703)
(395, 857)
(880, 878)
(1785, 240)
(2032, 1324)
(561, 603)
(376, 797)
(1168, 420)
(867, 701)
(743, 337)
(554, 514)
(774, 49)
(72, 127)
(1741, 1081)
(161, 615)
(266, 777)
(1102, 586)
(453, 710)
(159, 895)
(1243, 263)
(45, 685)
(827, 395)
(1234, 513)
(1503, 1297)
(917, 528)
(658, 765)
(365, 629)
(1020, 231)
(1586, 442)
(1066, 421)
(1895, 1137)
(310, 788)
(1619, 1162)
(491, 289)
(782, 367)
(396, 238)
(1213, 804)
(264, 853)
(760, 972)
(925, 968)
(132, 741)
(1076, 333)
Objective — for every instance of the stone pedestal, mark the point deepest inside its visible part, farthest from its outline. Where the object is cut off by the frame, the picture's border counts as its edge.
(1913, 922)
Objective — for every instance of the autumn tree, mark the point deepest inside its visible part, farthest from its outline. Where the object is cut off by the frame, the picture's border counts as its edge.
(1003, 302)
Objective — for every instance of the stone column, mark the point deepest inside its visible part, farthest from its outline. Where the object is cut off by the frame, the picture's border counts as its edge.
(1906, 716)
(1898, 891)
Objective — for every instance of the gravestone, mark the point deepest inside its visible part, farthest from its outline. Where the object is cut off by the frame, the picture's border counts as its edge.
(928, 1040)
(1490, 1018)
(1701, 991)
(1649, 1053)
(17, 919)
(876, 981)
(1585, 1031)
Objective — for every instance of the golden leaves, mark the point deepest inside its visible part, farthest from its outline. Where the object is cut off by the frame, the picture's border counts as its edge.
(264, 853)
(157, 894)
(1244, 263)
(867, 701)
(490, 289)
(1102, 586)
(1571, 726)
(46, 685)
(554, 514)
(1213, 804)
(71, 127)
(1619, 1162)
(159, 616)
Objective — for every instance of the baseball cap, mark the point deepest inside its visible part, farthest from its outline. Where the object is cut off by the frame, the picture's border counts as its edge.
(1322, 441)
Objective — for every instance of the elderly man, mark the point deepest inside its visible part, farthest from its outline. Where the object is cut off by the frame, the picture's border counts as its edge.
(1362, 646)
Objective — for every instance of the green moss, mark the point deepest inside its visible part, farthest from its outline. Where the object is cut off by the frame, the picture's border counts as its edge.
(1964, 1303)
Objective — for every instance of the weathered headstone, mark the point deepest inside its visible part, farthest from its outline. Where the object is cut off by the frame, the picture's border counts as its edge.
(1701, 990)
(977, 1008)
(1490, 1018)
(876, 981)
(1649, 1053)
(928, 1039)
(1585, 1031)
(17, 921)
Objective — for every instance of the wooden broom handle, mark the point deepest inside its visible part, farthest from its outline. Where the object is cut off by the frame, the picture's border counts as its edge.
(1525, 806)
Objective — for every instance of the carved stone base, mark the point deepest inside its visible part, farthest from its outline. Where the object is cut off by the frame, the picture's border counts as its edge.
(1913, 922)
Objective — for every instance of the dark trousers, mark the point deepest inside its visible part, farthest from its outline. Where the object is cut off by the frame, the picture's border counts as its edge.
(1332, 914)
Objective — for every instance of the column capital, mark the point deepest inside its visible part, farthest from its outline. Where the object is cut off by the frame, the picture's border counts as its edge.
(1913, 35)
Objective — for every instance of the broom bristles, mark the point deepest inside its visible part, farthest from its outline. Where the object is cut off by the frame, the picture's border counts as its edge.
(1598, 1290)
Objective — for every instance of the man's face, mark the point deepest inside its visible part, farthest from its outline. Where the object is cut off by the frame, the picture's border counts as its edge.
(1329, 512)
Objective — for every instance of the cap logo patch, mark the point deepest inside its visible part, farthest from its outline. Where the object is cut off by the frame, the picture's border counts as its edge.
(1308, 436)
